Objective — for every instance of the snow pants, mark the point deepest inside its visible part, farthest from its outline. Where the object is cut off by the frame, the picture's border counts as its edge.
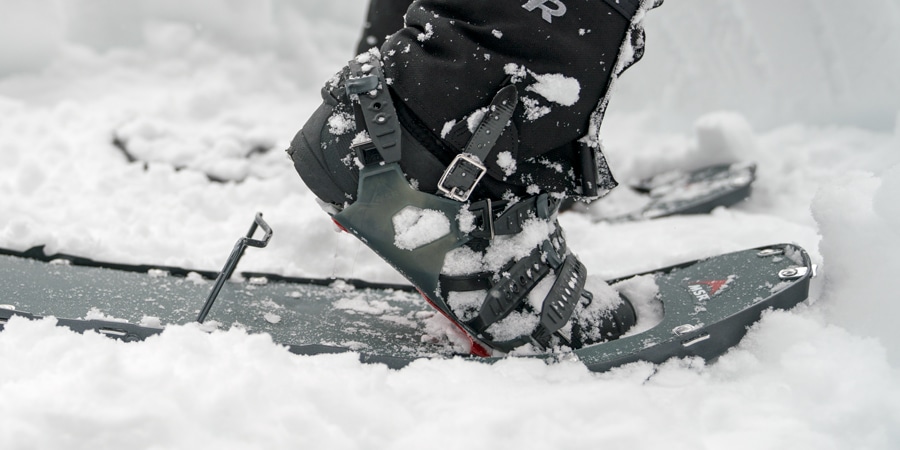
(445, 59)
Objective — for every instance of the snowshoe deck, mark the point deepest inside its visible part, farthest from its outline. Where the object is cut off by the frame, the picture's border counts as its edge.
(679, 192)
(707, 305)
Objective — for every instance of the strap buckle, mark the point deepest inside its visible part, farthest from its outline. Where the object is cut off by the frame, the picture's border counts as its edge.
(367, 152)
(461, 177)
(485, 209)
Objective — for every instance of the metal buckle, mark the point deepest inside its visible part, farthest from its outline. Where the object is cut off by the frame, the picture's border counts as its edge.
(465, 172)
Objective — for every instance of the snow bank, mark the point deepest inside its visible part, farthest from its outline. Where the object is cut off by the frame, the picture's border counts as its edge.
(816, 61)
(213, 78)
(794, 382)
(34, 33)
(30, 34)
(776, 62)
(858, 217)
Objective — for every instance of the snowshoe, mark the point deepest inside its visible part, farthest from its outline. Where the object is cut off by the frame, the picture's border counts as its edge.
(673, 193)
(699, 308)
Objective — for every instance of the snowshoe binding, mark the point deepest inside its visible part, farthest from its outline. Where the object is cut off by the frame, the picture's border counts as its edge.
(499, 269)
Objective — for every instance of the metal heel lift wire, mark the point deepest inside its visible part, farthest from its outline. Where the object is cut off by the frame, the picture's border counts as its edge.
(236, 253)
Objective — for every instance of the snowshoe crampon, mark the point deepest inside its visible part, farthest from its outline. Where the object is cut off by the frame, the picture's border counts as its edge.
(703, 307)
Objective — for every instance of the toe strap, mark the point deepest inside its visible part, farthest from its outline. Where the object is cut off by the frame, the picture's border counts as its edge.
(510, 293)
(561, 300)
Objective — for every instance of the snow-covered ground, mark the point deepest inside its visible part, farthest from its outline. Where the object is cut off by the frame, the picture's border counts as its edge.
(811, 95)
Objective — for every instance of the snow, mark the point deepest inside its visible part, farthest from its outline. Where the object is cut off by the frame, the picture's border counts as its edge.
(804, 93)
(447, 128)
(340, 123)
(556, 88)
(428, 34)
(506, 162)
(415, 227)
(533, 110)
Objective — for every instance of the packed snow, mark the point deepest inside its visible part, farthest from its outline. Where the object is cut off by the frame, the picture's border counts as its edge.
(556, 88)
(415, 227)
(220, 87)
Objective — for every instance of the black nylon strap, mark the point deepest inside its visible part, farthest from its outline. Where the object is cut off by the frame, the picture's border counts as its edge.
(468, 167)
(376, 107)
(465, 283)
(510, 292)
(588, 159)
(494, 219)
(561, 300)
(495, 120)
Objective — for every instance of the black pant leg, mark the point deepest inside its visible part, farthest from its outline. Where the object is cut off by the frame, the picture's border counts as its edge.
(383, 19)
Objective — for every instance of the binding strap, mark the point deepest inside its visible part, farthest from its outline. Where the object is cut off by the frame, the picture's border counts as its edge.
(468, 167)
(556, 311)
(496, 218)
(510, 292)
(366, 84)
(561, 301)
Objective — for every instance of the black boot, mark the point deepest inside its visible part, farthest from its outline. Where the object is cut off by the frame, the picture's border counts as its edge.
(452, 166)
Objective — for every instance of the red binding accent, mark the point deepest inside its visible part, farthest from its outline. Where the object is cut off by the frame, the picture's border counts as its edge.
(474, 347)
(339, 225)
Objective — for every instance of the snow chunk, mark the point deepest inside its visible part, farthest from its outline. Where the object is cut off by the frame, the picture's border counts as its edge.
(642, 291)
(448, 127)
(514, 325)
(506, 162)
(462, 261)
(556, 88)
(475, 119)
(360, 137)
(415, 227)
(341, 123)
(272, 318)
(157, 273)
(466, 304)
(95, 314)
(466, 219)
(359, 304)
(517, 72)
(195, 278)
(533, 109)
(428, 34)
(439, 329)
(151, 322)
(497, 33)
(506, 248)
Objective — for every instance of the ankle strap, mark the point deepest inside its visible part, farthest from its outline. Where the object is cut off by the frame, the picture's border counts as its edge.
(367, 85)
(494, 218)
